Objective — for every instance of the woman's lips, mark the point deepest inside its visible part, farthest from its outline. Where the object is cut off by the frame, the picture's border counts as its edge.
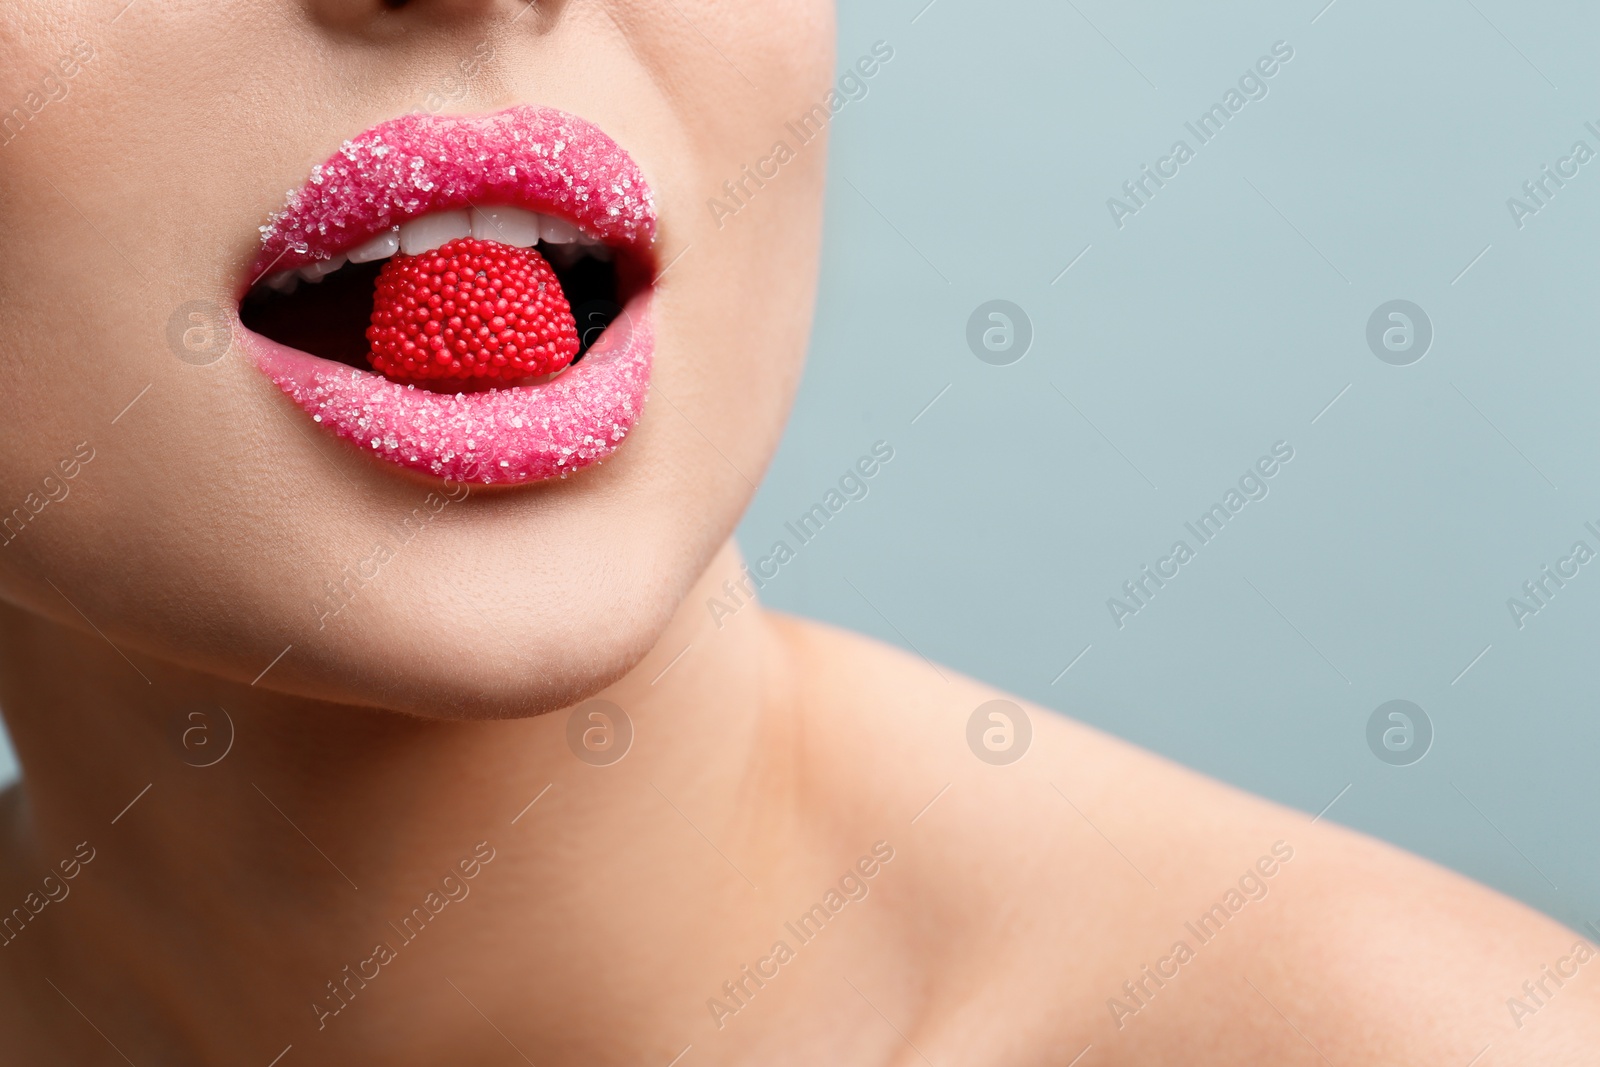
(535, 158)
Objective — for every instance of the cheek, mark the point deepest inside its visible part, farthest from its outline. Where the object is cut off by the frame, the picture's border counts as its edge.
(782, 46)
(739, 309)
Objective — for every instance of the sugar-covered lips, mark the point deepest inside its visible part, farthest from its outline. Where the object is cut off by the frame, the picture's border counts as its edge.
(527, 178)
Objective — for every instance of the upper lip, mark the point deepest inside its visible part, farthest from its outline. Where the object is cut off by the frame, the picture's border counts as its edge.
(526, 156)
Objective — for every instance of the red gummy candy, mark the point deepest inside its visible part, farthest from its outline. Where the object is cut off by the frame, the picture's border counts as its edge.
(470, 309)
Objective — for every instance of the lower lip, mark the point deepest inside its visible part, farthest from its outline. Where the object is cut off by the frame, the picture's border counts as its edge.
(499, 437)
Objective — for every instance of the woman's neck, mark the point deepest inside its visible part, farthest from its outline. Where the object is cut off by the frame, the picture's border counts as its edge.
(270, 871)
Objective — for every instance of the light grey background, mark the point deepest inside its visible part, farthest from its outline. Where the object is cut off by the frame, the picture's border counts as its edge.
(1222, 318)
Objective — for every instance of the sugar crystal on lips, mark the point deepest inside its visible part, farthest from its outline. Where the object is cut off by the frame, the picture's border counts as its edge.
(536, 157)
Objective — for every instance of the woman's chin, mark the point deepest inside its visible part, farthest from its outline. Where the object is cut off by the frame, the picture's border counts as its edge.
(471, 663)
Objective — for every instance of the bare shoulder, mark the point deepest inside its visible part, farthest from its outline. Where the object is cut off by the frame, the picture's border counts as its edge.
(1115, 901)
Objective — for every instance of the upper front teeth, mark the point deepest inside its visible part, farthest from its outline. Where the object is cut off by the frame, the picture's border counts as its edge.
(430, 231)
(557, 232)
(314, 272)
(380, 247)
(507, 225)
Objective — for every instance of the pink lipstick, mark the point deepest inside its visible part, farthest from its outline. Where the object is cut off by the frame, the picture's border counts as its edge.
(530, 177)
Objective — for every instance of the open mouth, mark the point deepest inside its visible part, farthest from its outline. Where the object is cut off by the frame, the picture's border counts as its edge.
(466, 297)
(326, 308)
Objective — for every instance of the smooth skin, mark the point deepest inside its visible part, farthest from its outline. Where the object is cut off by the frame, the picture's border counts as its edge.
(409, 737)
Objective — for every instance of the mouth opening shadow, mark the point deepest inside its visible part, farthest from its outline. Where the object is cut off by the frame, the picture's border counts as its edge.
(330, 318)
